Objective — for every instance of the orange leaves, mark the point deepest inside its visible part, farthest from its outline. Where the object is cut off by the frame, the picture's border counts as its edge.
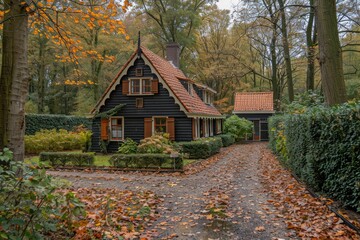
(308, 217)
(114, 214)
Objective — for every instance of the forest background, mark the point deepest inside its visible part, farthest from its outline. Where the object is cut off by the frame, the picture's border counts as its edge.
(268, 45)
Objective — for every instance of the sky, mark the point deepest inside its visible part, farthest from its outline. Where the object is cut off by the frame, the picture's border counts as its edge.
(226, 4)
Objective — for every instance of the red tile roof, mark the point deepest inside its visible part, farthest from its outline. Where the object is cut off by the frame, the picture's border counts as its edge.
(254, 102)
(171, 75)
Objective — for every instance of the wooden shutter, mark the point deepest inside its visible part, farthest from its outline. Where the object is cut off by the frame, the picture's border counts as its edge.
(154, 86)
(193, 128)
(125, 87)
(104, 129)
(147, 127)
(170, 122)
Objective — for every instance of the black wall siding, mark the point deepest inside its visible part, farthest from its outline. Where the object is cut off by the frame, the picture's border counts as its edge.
(161, 104)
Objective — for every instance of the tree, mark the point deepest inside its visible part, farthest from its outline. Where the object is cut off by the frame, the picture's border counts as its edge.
(14, 77)
(14, 72)
(330, 55)
(238, 127)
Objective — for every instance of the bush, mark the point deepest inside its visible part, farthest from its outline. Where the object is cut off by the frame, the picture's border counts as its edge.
(37, 122)
(146, 161)
(202, 148)
(227, 139)
(238, 127)
(156, 144)
(53, 140)
(62, 159)
(31, 207)
(323, 149)
(129, 146)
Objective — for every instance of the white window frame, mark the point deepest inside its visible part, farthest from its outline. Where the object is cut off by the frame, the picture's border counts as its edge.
(141, 86)
(122, 129)
(218, 126)
(197, 128)
(211, 126)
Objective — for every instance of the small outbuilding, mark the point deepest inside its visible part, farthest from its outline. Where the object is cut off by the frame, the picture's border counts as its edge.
(256, 107)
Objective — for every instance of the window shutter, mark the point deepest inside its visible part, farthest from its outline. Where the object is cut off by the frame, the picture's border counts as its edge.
(154, 86)
(125, 87)
(170, 122)
(147, 127)
(104, 129)
(193, 129)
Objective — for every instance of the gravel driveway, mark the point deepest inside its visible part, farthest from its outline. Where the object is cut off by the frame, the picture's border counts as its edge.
(226, 200)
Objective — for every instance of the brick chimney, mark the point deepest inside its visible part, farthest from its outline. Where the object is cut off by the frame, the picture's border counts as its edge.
(173, 53)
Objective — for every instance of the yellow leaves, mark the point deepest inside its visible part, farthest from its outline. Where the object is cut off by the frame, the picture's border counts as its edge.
(260, 229)
(78, 83)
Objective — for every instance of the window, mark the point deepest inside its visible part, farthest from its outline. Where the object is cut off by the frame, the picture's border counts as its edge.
(160, 125)
(190, 89)
(146, 86)
(211, 127)
(218, 126)
(140, 86)
(138, 72)
(117, 129)
(139, 103)
(197, 129)
(135, 86)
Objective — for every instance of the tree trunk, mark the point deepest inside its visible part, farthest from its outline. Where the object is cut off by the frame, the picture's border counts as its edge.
(310, 43)
(287, 58)
(14, 78)
(330, 57)
(41, 77)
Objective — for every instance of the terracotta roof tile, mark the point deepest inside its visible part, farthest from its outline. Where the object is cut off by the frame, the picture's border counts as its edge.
(254, 102)
(171, 75)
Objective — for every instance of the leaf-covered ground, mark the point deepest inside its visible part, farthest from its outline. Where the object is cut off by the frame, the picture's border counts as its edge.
(241, 193)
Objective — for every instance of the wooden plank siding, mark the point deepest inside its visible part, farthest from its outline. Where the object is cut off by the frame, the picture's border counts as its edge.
(160, 104)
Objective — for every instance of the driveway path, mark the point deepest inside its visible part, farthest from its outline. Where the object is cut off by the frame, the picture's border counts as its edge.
(226, 200)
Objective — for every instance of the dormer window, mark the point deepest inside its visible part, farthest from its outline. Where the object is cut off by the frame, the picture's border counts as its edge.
(208, 97)
(190, 89)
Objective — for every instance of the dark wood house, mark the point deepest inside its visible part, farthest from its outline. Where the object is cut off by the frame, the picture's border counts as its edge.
(256, 107)
(152, 95)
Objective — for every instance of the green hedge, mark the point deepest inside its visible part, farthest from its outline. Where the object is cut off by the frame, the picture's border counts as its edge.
(63, 159)
(146, 160)
(36, 122)
(202, 148)
(227, 139)
(323, 149)
(53, 140)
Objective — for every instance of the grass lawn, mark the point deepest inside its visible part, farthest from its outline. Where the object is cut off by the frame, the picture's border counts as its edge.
(100, 160)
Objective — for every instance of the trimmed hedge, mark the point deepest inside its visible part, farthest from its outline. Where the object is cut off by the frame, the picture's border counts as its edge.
(146, 160)
(202, 148)
(227, 139)
(73, 159)
(323, 149)
(36, 122)
(53, 140)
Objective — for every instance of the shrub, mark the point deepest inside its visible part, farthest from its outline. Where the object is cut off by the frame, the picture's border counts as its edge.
(323, 149)
(227, 139)
(202, 148)
(238, 127)
(37, 122)
(129, 146)
(156, 144)
(53, 140)
(146, 161)
(75, 159)
(31, 207)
